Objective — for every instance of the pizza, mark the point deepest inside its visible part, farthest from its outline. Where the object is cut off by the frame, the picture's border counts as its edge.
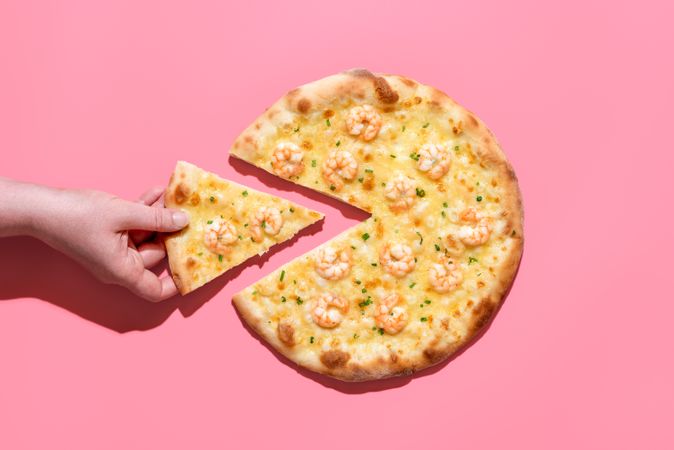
(229, 223)
(428, 269)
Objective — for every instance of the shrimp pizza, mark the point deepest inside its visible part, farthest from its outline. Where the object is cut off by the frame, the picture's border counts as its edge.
(229, 223)
(428, 269)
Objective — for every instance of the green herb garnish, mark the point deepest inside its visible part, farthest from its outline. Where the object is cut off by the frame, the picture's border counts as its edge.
(420, 192)
(283, 274)
(365, 236)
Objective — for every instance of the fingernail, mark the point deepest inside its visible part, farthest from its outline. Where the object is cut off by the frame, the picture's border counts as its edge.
(180, 219)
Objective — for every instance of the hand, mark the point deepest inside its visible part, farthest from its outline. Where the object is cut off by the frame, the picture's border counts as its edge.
(113, 238)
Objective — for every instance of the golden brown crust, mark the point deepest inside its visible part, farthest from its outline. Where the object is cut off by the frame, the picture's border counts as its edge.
(391, 91)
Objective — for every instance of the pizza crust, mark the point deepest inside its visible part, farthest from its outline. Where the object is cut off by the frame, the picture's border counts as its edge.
(386, 92)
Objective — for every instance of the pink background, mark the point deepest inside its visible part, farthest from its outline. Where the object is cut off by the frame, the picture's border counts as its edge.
(109, 95)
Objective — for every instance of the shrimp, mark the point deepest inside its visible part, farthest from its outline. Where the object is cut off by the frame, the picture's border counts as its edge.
(445, 276)
(219, 235)
(340, 165)
(326, 310)
(434, 159)
(397, 259)
(388, 316)
(333, 264)
(401, 191)
(478, 230)
(287, 159)
(363, 119)
(268, 219)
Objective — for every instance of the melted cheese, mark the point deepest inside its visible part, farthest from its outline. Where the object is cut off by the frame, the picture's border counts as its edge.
(434, 215)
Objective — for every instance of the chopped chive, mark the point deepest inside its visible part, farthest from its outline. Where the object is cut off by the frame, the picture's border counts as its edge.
(365, 236)
(360, 180)
(200, 253)
(283, 299)
(245, 225)
(456, 148)
(425, 125)
(327, 122)
(437, 248)
(311, 339)
(296, 130)
(332, 187)
(443, 214)
(478, 198)
(209, 222)
(299, 301)
(245, 193)
(381, 331)
(421, 238)
(420, 192)
(212, 199)
(414, 156)
(471, 260)
(424, 319)
(283, 274)
(444, 205)
(292, 210)
(313, 163)
(338, 143)
(358, 281)
(393, 156)
(373, 264)
(220, 258)
(365, 303)
(368, 171)
(363, 290)
(263, 224)
(427, 301)
(412, 285)
(404, 128)
(353, 247)
(355, 335)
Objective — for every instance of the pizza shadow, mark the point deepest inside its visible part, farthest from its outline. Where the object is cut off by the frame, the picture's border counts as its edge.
(30, 269)
(362, 387)
(276, 182)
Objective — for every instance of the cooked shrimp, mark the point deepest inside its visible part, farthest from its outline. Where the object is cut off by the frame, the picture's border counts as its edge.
(397, 259)
(267, 219)
(478, 230)
(445, 276)
(434, 159)
(333, 264)
(363, 120)
(390, 317)
(326, 310)
(339, 166)
(287, 159)
(219, 235)
(401, 192)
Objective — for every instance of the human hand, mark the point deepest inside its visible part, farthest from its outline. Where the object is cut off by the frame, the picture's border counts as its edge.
(113, 238)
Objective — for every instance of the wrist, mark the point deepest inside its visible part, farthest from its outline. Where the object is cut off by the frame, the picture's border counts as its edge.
(24, 208)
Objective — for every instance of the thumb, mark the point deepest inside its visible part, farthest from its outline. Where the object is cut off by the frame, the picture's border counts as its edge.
(136, 216)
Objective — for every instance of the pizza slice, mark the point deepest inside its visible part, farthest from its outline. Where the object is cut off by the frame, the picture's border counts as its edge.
(229, 223)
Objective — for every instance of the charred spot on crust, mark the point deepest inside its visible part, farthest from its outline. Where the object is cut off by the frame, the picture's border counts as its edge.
(195, 199)
(307, 145)
(303, 105)
(433, 355)
(191, 262)
(482, 313)
(328, 113)
(408, 82)
(286, 333)
(384, 92)
(473, 121)
(181, 193)
(333, 359)
(362, 73)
